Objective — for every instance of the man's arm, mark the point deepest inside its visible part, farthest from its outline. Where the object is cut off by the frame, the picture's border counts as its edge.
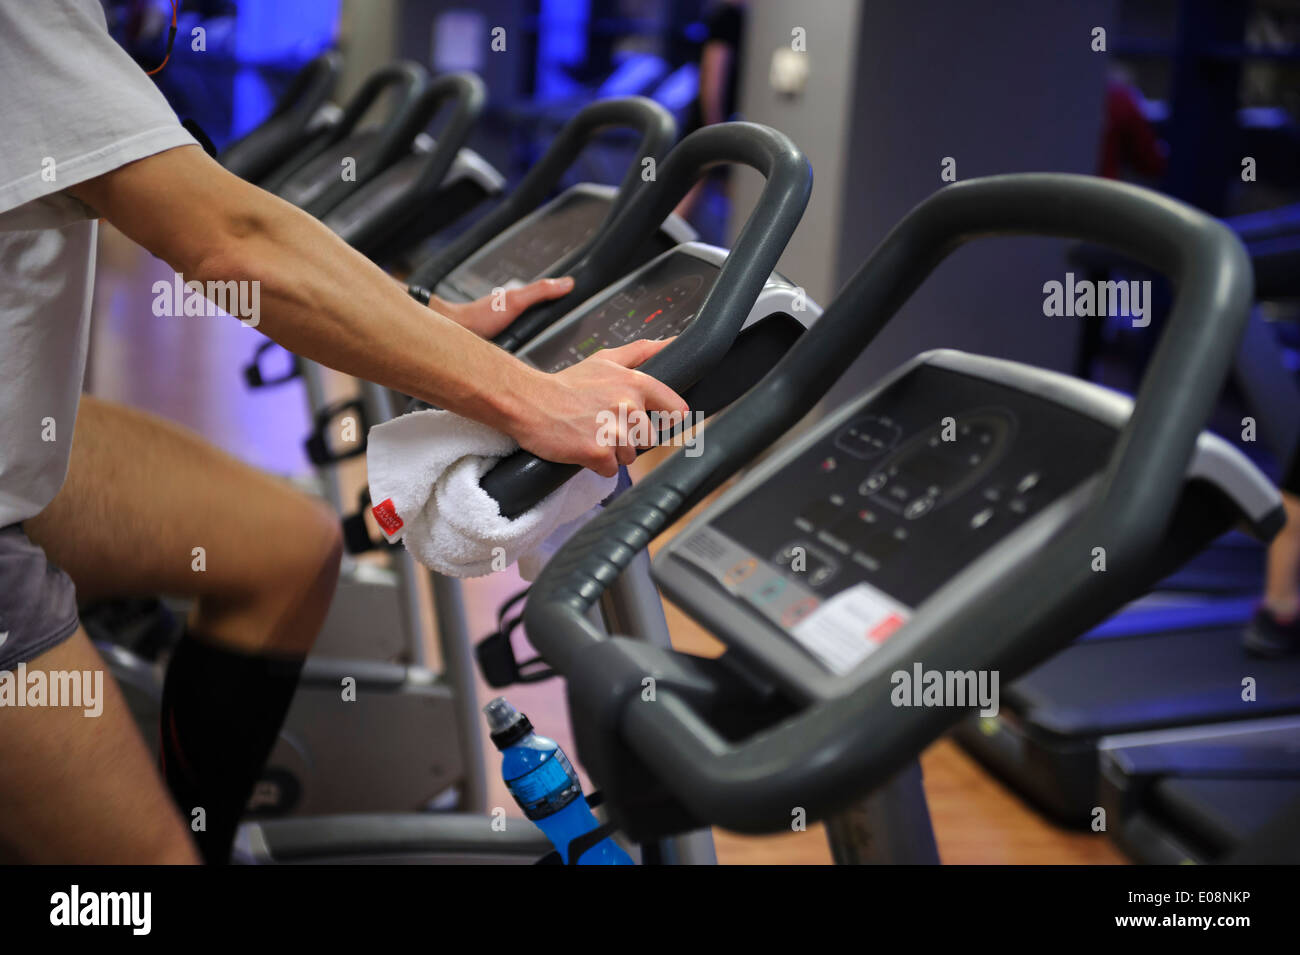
(325, 301)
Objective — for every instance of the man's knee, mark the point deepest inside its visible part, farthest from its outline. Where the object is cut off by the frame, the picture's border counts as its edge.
(288, 588)
(308, 555)
(319, 551)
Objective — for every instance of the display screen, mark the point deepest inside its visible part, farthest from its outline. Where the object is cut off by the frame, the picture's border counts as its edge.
(379, 194)
(659, 302)
(531, 251)
(839, 546)
(323, 171)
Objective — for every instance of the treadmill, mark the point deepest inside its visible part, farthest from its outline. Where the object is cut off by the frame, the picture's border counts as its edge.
(1196, 795)
(1168, 664)
(301, 112)
(1216, 792)
(898, 539)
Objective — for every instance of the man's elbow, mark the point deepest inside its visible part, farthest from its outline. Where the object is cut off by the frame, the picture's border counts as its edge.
(237, 248)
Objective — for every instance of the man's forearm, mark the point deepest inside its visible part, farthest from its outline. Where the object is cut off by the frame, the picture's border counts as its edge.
(317, 296)
(325, 301)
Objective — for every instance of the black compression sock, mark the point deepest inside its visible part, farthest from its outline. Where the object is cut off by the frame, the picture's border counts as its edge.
(221, 713)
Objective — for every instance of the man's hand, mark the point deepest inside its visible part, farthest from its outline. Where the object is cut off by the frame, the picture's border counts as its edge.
(490, 315)
(583, 414)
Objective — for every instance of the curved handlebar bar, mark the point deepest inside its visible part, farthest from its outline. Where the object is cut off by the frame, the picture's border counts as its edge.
(273, 141)
(410, 80)
(833, 751)
(658, 131)
(465, 95)
(522, 479)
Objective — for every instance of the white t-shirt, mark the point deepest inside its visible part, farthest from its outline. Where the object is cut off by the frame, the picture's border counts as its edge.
(74, 107)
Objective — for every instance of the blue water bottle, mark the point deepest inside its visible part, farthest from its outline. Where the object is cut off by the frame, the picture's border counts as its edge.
(543, 782)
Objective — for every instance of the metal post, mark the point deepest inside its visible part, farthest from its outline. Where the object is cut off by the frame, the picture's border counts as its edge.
(891, 826)
(313, 380)
(454, 641)
(458, 671)
(633, 607)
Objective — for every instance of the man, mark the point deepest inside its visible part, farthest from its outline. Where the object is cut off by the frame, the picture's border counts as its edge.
(86, 135)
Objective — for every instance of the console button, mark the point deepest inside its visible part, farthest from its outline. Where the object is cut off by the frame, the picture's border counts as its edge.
(918, 507)
(806, 563)
(819, 576)
(868, 437)
(1027, 483)
(740, 571)
(899, 492)
(859, 522)
(873, 483)
(981, 518)
(796, 612)
(770, 590)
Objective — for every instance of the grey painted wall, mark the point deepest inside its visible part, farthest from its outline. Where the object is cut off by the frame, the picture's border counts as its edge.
(896, 86)
(818, 121)
(368, 38)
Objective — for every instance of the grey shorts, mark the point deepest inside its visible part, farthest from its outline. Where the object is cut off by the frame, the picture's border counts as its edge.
(38, 603)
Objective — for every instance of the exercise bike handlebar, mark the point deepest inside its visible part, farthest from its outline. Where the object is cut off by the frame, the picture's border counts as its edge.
(657, 130)
(833, 751)
(410, 81)
(311, 87)
(521, 480)
(465, 95)
(258, 152)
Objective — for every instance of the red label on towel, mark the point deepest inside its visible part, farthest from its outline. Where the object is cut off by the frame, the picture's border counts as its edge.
(387, 517)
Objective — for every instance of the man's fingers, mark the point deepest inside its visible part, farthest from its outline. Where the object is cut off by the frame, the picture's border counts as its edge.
(543, 290)
(606, 463)
(656, 396)
(635, 353)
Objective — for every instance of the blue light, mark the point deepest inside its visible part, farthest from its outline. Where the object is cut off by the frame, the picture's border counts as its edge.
(284, 33)
(561, 42)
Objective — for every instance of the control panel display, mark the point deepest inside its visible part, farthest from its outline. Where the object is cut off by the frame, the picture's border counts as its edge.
(322, 172)
(380, 193)
(659, 302)
(568, 222)
(839, 546)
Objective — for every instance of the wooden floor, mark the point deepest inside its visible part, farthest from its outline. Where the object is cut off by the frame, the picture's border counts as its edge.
(188, 369)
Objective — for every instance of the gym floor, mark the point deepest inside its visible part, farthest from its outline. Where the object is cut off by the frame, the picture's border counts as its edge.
(188, 370)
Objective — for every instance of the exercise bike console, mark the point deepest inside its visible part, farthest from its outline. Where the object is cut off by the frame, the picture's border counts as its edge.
(544, 239)
(948, 475)
(661, 300)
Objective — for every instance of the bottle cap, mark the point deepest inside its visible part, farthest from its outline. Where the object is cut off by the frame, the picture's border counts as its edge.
(506, 725)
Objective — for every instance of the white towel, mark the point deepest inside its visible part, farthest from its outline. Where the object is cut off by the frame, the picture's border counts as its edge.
(424, 471)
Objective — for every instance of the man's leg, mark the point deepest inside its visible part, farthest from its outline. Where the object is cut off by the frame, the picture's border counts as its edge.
(149, 508)
(1282, 583)
(78, 789)
(1275, 629)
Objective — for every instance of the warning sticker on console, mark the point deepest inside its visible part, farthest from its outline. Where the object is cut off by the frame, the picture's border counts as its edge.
(839, 631)
(846, 629)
